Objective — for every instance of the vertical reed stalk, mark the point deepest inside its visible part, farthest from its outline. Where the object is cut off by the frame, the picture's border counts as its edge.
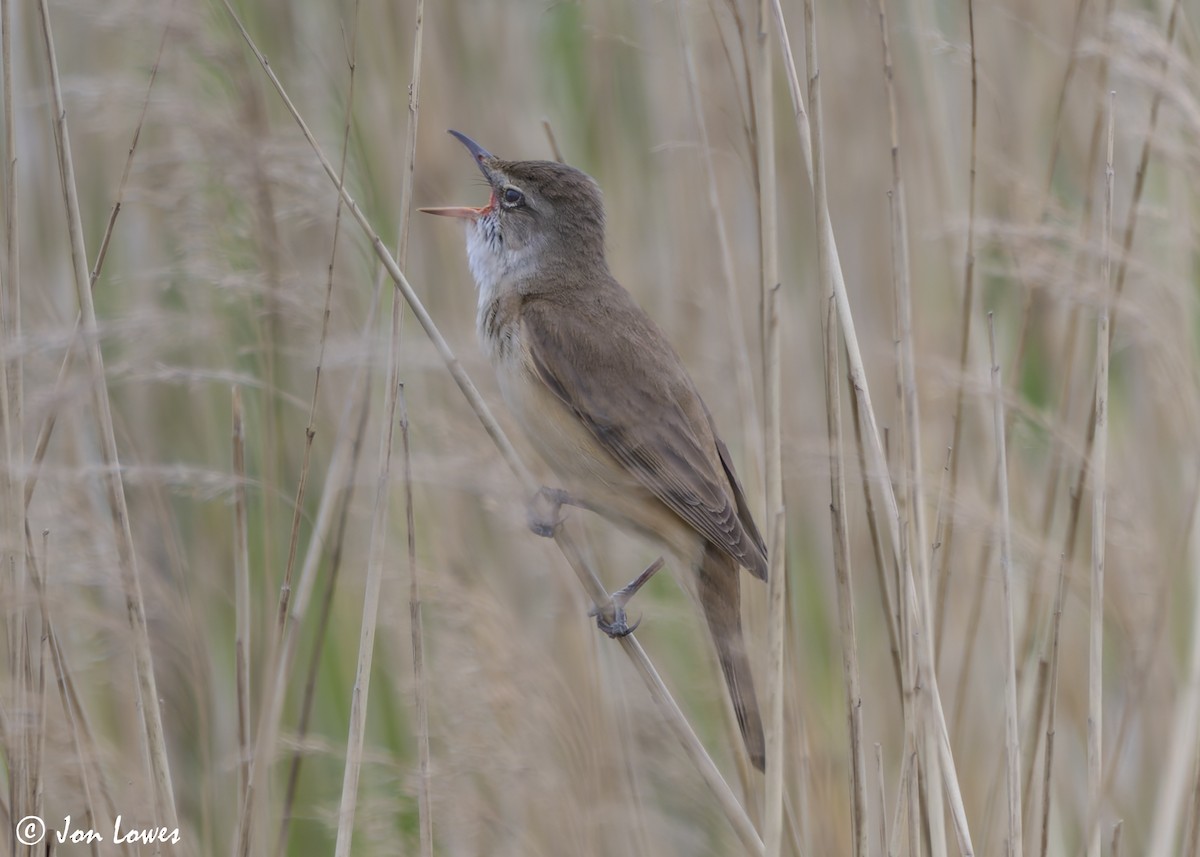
(1012, 741)
(148, 701)
(1098, 468)
(768, 220)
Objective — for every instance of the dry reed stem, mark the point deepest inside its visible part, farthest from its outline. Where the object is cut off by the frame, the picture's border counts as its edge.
(1098, 468)
(841, 558)
(62, 679)
(285, 588)
(673, 716)
(47, 427)
(1192, 843)
(1073, 53)
(804, 777)
(885, 47)
(1057, 125)
(370, 612)
(768, 221)
(424, 805)
(837, 486)
(1054, 474)
(148, 702)
(901, 807)
(81, 733)
(347, 452)
(37, 755)
(1052, 706)
(912, 469)
(276, 657)
(410, 143)
(1139, 176)
(1116, 288)
(968, 313)
(342, 464)
(46, 430)
(879, 470)
(424, 809)
(914, 807)
(553, 141)
(1012, 738)
(1165, 831)
(940, 518)
(242, 603)
(1040, 702)
(741, 83)
(13, 521)
(1082, 476)
(376, 552)
(912, 473)
(924, 21)
(1141, 670)
(10, 294)
(1113, 296)
(102, 253)
(740, 350)
(882, 793)
(24, 769)
(1018, 359)
(678, 724)
(883, 567)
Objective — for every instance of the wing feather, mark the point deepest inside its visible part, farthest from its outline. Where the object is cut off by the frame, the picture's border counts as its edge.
(638, 402)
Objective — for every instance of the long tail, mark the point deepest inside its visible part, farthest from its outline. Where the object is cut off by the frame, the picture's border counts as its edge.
(720, 596)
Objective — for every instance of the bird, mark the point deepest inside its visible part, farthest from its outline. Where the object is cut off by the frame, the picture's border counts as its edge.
(597, 387)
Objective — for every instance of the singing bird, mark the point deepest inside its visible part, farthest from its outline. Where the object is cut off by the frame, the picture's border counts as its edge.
(605, 399)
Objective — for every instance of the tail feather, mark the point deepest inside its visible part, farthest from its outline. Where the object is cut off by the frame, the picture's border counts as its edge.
(720, 596)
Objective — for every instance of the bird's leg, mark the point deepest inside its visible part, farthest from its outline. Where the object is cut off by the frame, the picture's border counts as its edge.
(544, 510)
(619, 626)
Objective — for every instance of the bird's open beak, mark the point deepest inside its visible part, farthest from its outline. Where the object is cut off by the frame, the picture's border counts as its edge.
(480, 155)
(462, 211)
(477, 151)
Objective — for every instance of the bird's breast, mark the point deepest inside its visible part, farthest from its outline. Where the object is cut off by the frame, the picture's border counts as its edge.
(556, 432)
(498, 326)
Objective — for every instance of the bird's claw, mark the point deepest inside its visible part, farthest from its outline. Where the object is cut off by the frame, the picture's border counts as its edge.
(619, 625)
(544, 528)
(543, 514)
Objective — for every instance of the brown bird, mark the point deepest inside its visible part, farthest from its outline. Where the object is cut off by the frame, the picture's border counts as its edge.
(604, 397)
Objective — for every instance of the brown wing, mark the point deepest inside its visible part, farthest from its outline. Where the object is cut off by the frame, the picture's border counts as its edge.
(759, 567)
(630, 390)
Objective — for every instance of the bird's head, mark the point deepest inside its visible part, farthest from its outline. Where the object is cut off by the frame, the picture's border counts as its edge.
(542, 216)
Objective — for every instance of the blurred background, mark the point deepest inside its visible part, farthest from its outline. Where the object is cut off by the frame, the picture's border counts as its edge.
(543, 740)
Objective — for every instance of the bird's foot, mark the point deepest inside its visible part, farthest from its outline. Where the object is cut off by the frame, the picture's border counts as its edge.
(544, 512)
(612, 619)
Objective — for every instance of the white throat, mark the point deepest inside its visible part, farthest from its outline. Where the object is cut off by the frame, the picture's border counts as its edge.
(495, 267)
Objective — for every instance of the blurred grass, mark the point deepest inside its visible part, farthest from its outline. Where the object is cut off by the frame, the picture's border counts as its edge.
(542, 740)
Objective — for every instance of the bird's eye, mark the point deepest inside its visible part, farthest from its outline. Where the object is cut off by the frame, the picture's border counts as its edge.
(513, 197)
